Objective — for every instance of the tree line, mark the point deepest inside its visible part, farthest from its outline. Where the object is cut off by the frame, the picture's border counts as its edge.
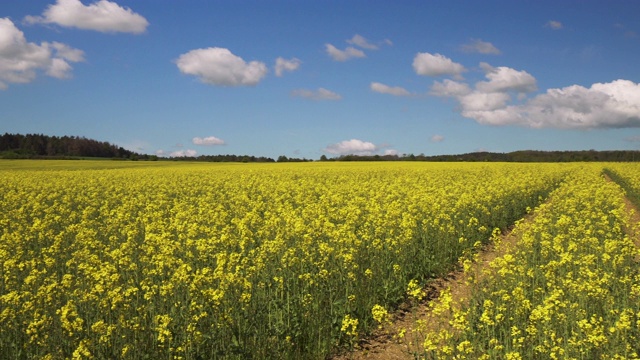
(34, 146)
(515, 156)
(38, 146)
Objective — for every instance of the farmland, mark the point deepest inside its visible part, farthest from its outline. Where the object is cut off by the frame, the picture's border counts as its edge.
(103, 259)
(569, 289)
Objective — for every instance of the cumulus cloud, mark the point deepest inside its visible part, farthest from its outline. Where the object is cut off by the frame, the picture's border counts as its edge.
(479, 46)
(436, 65)
(283, 65)
(602, 105)
(449, 88)
(320, 94)
(490, 95)
(392, 90)
(344, 55)
(207, 141)
(218, 66)
(103, 16)
(391, 152)
(482, 101)
(351, 147)
(20, 60)
(437, 138)
(183, 153)
(506, 79)
(360, 41)
(553, 24)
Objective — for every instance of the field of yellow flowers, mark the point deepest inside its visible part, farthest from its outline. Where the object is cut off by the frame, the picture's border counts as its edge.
(570, 289)
(164, 260)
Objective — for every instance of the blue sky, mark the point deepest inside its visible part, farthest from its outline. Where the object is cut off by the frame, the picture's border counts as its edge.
(313, 78)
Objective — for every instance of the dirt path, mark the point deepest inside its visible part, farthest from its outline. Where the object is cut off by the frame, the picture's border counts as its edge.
(386, 344)
(632, 209)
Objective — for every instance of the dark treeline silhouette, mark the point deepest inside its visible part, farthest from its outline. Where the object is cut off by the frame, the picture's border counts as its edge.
(516, 156)
(223, 158)
(38, 146)
(44, 146)
(283, 158)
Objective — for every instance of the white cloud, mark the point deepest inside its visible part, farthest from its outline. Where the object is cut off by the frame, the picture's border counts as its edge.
(481, 101)
(487, 96)
(479, 46)
(603, 105)
(183, 153)
(351, 147)
(360, 41)
(436, 65)
(553, 24)
(20, 60)
(218, 66)
(392, 152)
(506, 79)
(103, 16)
(283, 65)
(344, 55)
(320, 94)
(135, 145)
(68, 53)
(59, 69)
(392, 90)
(208, 141)
(449, 88)
(437, 138)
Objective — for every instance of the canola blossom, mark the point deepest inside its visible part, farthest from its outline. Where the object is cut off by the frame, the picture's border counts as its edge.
(569, 289)
(115, 260)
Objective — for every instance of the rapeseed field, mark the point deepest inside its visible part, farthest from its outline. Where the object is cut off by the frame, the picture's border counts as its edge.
(124, 260)
(570, 289)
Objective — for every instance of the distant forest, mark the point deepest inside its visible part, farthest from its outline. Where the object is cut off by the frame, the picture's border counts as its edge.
(38, 146)
(515, 156)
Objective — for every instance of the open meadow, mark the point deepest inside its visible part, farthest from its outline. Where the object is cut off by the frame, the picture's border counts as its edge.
(177, 260)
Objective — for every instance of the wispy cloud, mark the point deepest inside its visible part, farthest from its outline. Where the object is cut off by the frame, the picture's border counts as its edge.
(627, 33)
(283, 65)
(554, 25)
(360, 41)
(437, 138)
(479, 46)
(344, 55)
(320, 94)
(391, 90)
